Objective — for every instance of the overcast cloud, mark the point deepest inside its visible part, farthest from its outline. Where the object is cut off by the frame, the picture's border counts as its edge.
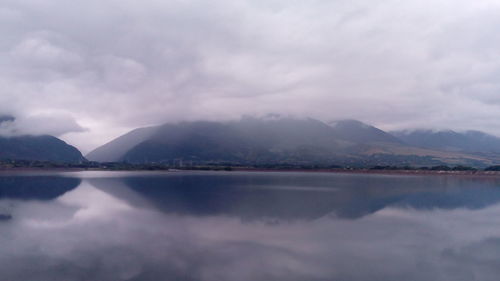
(110, 66)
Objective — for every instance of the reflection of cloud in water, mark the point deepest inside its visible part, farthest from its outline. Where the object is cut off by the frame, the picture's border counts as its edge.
(96, 236)
(92, 204)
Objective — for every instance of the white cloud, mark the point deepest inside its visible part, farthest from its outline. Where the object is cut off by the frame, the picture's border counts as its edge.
(53, 124)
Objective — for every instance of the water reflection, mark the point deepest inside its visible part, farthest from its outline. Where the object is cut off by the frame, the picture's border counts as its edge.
(302, 196)
(250, 226)
(32, 187)
(35, 186)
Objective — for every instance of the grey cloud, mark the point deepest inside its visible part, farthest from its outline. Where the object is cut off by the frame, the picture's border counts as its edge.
(116, 65)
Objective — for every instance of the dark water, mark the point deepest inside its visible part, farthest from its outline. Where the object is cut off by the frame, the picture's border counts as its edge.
(248, 226)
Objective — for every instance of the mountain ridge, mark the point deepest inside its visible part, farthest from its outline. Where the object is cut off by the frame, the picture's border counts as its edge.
(286, 140)
(448, 140)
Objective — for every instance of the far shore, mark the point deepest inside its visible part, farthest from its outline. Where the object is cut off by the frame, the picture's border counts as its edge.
(479, 173)
(468, 173)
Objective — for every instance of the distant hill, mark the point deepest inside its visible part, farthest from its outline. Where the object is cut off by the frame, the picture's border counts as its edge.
(276, 141)
(39, 148)
(469, 141)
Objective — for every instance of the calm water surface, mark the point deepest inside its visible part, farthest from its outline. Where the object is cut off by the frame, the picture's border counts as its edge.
(247, 226)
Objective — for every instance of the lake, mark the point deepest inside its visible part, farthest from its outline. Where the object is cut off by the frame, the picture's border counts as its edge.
(219, 226)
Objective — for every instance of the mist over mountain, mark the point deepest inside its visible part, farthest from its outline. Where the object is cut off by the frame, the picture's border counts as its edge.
(247, 140)
(116, 149)
(357, 131)
(36, 147)
(291, 141)
(448, 140)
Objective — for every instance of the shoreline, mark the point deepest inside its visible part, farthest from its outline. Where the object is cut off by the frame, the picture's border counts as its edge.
(381, 172)
(477, 173)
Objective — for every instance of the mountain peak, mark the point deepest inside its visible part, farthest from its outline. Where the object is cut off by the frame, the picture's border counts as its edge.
(348, 123)
(357, 131)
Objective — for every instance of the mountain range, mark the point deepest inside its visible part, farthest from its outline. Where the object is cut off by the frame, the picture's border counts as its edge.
(269, 141)
(469, 141)
(297, 142)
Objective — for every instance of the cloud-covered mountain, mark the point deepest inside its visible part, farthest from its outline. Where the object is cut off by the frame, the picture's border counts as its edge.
(220, 59)
(39, 148)
(469, 141)
(247, 140)
(116, 149)
(356, 131)
(274, 141)
(35, 147)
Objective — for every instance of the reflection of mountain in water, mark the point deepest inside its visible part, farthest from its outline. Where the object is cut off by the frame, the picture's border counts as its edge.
(5, 217)
(297, 196)
(35, 187)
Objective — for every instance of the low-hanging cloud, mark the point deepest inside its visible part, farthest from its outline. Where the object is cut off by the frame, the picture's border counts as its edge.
(54, 124)
(115, 65)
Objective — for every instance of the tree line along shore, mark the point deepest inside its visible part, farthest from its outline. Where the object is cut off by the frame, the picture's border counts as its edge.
(123, 166)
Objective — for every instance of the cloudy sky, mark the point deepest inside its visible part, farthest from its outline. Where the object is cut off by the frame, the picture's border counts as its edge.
(91, 70)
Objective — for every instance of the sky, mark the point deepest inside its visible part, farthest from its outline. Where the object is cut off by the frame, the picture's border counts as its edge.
(89, 71)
